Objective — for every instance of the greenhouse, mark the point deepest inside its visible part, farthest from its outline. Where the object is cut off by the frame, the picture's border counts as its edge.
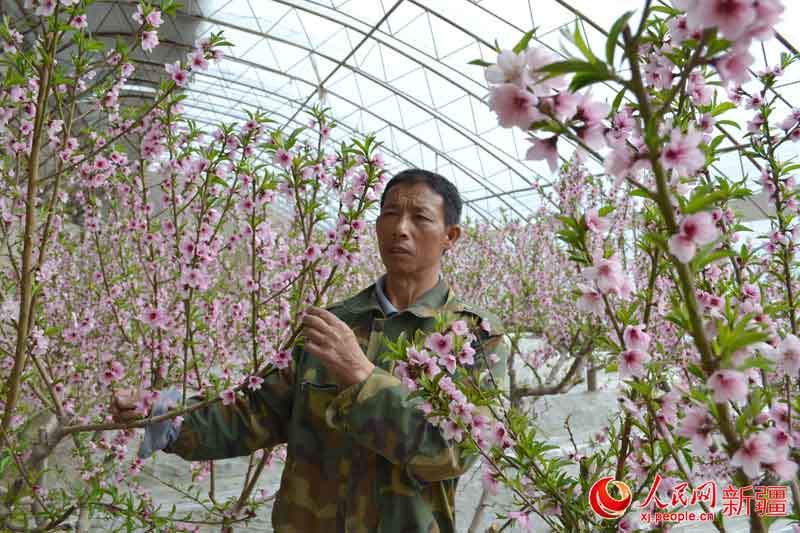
(399, 265)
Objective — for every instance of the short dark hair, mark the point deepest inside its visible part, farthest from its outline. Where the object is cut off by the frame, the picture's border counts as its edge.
(439, 184)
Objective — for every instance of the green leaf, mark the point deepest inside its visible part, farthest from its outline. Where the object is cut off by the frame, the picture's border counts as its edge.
(613, 34)
(700, 262)
(574, 65)
(581, 44)
(746, 339)
(523, 43)
(700, 201)
(666, 10)
(480, 63)
(618, 99)
(758, 362)
(731, 123)
(582, 79)
(721, 108)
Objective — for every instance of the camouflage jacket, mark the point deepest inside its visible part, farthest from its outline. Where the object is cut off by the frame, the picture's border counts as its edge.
(362, 458)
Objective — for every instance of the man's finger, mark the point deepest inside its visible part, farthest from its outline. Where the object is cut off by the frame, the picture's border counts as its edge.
(316, 350)
(323, 314)
(317, 338)
(315, 322)
(129, 415)
(125, 400)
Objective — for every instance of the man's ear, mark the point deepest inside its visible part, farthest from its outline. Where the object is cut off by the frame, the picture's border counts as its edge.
(451, 236)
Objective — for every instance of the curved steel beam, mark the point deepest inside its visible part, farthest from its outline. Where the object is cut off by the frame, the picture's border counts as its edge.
(416, 138)
(473, 137)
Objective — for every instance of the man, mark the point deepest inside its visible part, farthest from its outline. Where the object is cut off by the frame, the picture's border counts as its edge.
(360, 454)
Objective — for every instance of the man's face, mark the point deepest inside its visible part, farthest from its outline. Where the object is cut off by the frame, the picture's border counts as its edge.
(411, 230)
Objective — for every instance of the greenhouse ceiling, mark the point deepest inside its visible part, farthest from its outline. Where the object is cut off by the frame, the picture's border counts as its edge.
(399, 69)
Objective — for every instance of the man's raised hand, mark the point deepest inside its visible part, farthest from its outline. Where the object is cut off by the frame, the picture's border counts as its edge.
(124, 404)
(335, 345)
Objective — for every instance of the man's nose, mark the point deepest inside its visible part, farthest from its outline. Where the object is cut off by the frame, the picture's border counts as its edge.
(401, 229)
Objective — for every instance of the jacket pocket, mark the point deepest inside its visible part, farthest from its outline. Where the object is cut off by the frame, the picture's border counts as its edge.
(313, 437)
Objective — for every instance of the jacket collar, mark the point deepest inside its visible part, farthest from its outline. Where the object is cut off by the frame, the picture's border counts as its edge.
(426, 306)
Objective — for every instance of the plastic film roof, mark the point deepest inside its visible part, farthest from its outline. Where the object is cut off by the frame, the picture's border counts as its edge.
(399, 69)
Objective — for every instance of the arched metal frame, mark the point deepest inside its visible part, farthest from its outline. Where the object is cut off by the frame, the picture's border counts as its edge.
(382, 32)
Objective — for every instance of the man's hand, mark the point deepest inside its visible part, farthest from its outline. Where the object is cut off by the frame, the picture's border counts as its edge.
(124, 406)
(335, 344)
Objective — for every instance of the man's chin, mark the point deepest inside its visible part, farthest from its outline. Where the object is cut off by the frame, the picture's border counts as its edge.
(401, 268)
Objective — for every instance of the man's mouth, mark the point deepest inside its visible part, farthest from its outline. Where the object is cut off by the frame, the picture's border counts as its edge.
(399, 250)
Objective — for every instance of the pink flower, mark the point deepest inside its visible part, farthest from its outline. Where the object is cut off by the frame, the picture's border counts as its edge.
(431, 367)
(780, 438)
(607, 275)
(635, 338)
(154, 18)
(591, 301)
(138, 15)
(460, 328)
(180, 78)
(46, 8)
(591, 112)
(490, 478)
(514, 106)
(79, 22)
(595, 222)
(510, 68)
(728, 385)
(620, 163)
(682, 247)
(178, 75)
(198, 61)
(696, 229)
(682, 153)
(500, 437)
(154, 317)
(522, 520)
(699, 227)
(768, 14)
(678, 30)
(451, 431)
(565, 105)
(755, 450)
(631, 364)
(228, 396)
(312, 252)
(465, 356)
(114, 372)
(282, 158)
(441, 344)
(696, 426)
(544, 149)
(462, 411)
(254, 382)
(542, 83)
(784, 468)
(149, 40)
(282, 359)
(448, 361)
(732, 17)
(789, 354)
(733, 67)
(417, 358)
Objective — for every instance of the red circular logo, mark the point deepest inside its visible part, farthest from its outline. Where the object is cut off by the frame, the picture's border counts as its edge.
(604, 504)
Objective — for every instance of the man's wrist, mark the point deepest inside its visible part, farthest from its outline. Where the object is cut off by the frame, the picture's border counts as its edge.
(361, 374)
